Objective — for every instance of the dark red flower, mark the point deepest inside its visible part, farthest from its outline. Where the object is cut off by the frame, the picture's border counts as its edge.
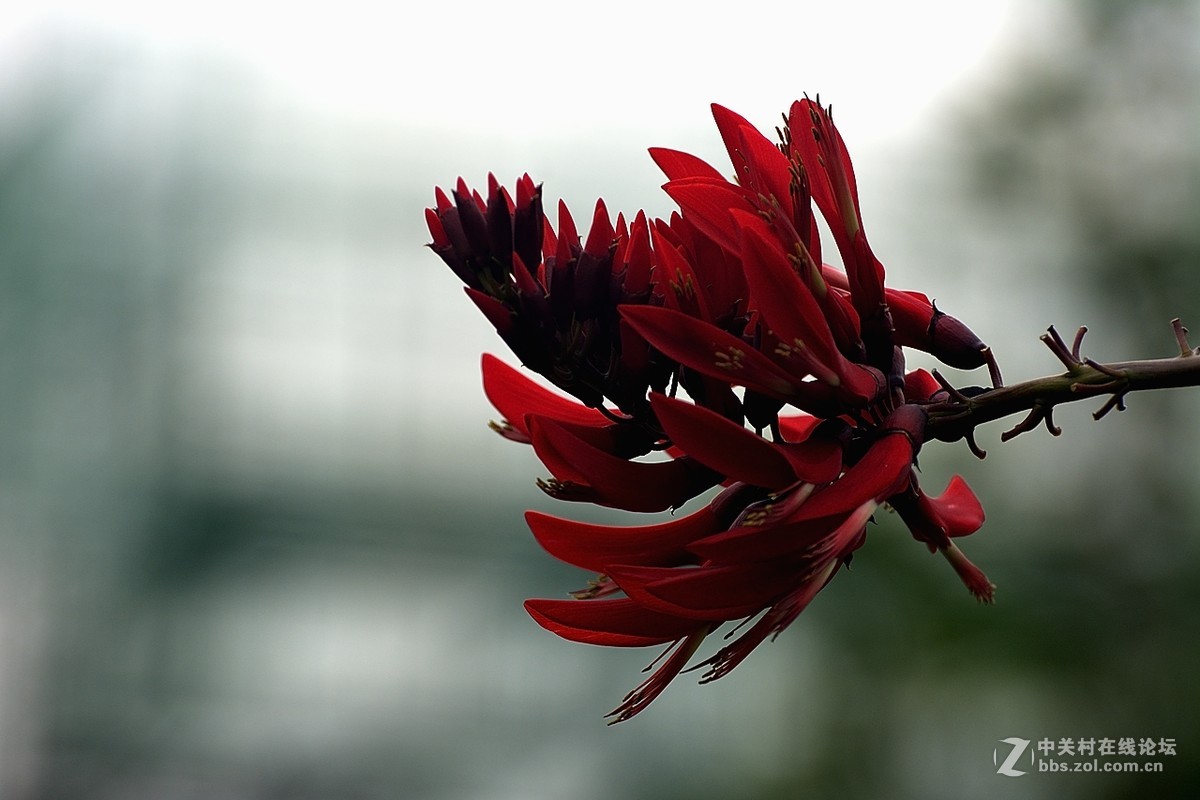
(730, 293)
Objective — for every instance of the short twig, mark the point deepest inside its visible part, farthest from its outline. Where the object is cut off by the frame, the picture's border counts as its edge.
(1035, 416)
(1107, 370)
(993, 368)
(1048, 418)
(955, 394)
(976, 450)
(1059, 348)
(1078, 341)
(1117, 401)
(1185, 348)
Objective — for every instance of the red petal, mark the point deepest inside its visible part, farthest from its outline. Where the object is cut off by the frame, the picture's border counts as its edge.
(920, 386)
(677, 281)
(958, 508)
(614, 623)
(706, 204)
(817, 460)
(601, 234)
(881, 473)
(705, 593)
(638, 257)
(770, 173)
(786, 303)
(796, 428)
(728, 123)
(515, 396)
(709, 350)
(723, 445)
(495, 311)
(782, 614)
(595, 547)
(677, 165)
(629, 485)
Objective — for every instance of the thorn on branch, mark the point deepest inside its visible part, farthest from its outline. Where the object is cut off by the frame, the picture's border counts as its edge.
(993, 368)
(976, 450)
(1107, 370)
(1048, 418)
(1185, 349)
(1078, 341)
(955, 394)
(1059, 348)
(1117, 401)
(1039, 412)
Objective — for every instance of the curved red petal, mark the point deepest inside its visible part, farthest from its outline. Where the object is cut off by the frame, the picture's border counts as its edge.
(629, 485)
(881, 473)
(677, 165)
(707, 592)
(710, 350)
(958, 508)
(516, 396)
(797, 427)
(706, 204)
(595, 547)
(769, 172)
(613, 623)
(786, 303)
(721, 444)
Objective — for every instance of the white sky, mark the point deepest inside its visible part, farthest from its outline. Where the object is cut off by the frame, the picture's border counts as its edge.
(616, 64)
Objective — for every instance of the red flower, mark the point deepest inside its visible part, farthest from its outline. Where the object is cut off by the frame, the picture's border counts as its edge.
(730, 292)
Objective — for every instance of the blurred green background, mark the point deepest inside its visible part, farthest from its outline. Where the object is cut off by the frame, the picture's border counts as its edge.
(257, 542)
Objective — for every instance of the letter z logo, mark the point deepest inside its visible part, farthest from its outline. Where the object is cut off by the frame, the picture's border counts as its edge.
(1018, 749)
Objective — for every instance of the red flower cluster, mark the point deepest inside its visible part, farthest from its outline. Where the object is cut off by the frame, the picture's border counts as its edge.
(731, 292)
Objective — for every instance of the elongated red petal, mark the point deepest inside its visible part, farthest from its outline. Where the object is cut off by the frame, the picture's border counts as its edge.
(725, 446)
(769, 170)
(515, 396)
(786, 303)
(629, 485)
(709, 350)
(707, 592)
(595, 547)
(613, 623)
(780, 615)
(706, 204)
(497, 313)
(881, 473)
(677, 281)
(677, 165)
(728, 123)
(817, 460)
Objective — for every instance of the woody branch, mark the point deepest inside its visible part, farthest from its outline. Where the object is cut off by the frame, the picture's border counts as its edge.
(1084, 378)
